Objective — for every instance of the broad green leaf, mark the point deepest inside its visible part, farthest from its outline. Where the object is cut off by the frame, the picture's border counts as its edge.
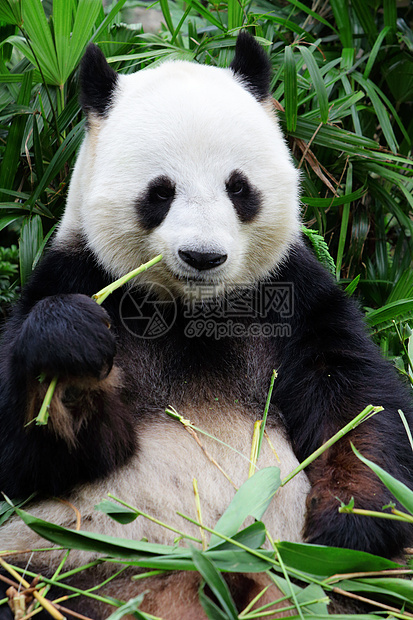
(41, 41)
(393, 310)
(327, 203)
(399, 589)
(117, 512)
(6, 220)
(212, 610)
(252, 537)
(317, 81)
(400, 491)
(251, 500)
(83, 28)
(86, 541)
(11, 11)
(215, 582)
(319, 560)
(312, 593)
(235, 13)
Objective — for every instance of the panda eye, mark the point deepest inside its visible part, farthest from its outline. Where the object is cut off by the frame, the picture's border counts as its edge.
(162, 191)
(245, 197)
(237, 185)
(153, 205)
(237, 188)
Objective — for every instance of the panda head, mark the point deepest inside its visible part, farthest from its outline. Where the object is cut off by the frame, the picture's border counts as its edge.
(187, 161)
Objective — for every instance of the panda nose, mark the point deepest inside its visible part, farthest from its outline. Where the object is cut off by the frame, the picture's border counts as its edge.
(202, 260)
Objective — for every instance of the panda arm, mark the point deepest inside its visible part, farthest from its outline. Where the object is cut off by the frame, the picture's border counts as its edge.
(329, 371)
(57, 329)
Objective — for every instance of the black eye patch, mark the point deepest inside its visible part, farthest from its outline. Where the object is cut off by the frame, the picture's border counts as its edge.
(245, 198)
(153, 205)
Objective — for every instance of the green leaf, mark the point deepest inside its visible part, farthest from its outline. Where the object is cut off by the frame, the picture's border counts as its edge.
(11, 11)
(87, 541)
(382, 114)
(394, 310)
(252, 537)
(316, 16)
(31, 237)
(131, 607)
(320, 248)
(13, 149)
(366, 19)
(290, 89)
(212, 610)
(86, 15)
(341, 14)
(68, 147)
(400, 491)
(317, 81)
(375, 50)
(398, 589)
(251, 499)
(350, 288)
(327, 203)
(319, 560)
(215, 582)
(42, 44)
(167, 15)
(62, 22)
(117, 512)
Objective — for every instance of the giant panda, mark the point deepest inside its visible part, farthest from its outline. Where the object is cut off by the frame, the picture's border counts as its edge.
(188, 161)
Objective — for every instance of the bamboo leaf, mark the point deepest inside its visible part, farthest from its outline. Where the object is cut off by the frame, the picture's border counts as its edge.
(251, 499)
(319, 560)
(215, 582)
(400, 491)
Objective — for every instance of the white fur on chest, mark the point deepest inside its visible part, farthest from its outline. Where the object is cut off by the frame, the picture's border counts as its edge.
(159, 481)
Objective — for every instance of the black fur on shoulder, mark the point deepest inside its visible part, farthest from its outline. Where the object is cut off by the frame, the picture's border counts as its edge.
(252, 66)
(97, 81)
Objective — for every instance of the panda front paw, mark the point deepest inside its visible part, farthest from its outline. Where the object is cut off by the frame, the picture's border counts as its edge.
(65, 335)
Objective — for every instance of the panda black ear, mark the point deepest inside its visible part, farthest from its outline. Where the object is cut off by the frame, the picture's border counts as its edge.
(252, 65)
(97, 81)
